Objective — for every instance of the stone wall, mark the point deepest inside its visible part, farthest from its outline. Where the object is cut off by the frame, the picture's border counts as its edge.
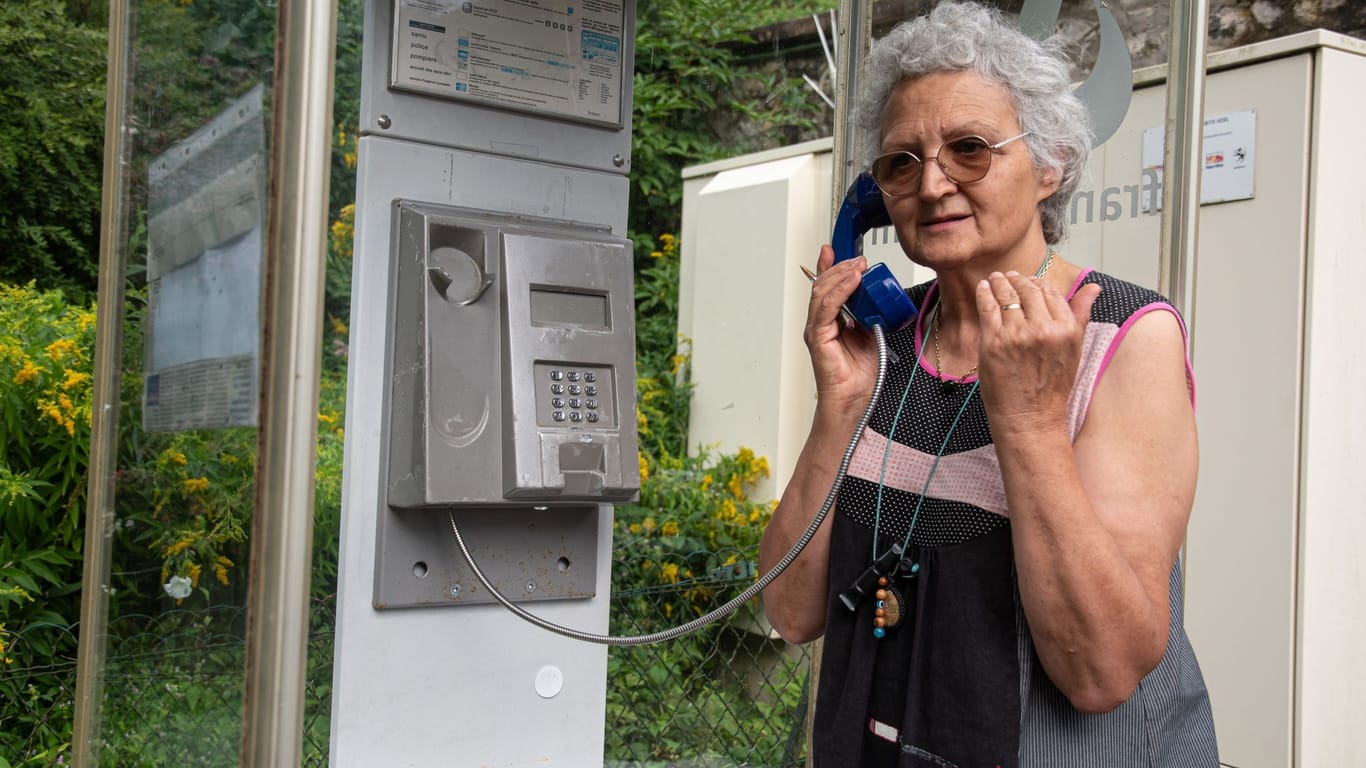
(793, 48)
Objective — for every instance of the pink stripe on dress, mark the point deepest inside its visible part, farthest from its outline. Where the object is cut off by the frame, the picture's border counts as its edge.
(972, 477)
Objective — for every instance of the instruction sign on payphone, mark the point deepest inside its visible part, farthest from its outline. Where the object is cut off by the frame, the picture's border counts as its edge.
(556, 57)
(513, 362)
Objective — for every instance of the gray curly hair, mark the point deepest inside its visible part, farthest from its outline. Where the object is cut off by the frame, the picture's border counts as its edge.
(957, 37)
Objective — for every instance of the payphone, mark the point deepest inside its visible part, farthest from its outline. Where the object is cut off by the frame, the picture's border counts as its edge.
(513, 363)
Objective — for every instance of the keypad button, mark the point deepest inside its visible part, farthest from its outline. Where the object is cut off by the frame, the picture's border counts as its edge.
(590, 390)
(574, 389)
(593, 416)
(575, 416)
(556, 375)
(557, 402)
(574, 402)
(557, 389)
(573, 376)
(557, 415)
(591, 404)
(590, 376)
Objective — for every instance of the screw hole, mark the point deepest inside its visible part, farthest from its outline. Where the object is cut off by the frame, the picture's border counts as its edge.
(420, 569)
(562, 564)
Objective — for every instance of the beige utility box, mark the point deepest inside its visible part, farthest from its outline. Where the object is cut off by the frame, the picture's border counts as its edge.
(1276, 581)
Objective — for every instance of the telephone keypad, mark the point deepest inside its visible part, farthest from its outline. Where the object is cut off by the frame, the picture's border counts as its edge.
(571, 403)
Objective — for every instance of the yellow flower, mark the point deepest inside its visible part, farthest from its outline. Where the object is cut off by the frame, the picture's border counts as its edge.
(736, 487)
(648, 524)
(644, 468)
(642, 423)
(84, 319)
(194, 574)
(74, 378)
(180, 545)
(176, 457)
(677, 362)
(727, 512)
(26, 374)
(668, 573)
(338, 327)
(220, 572)
(350, 159)
(759, 467)
(707, 480)
(635, 528)
(59, 348)
(668, 242)
(195, 484)
(656, 254)
(669, 529)
(327, 419)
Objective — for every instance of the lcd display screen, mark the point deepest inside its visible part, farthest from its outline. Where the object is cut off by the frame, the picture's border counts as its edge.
(574, 310)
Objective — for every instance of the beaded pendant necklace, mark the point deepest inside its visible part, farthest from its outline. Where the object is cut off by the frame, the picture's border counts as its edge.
(880, 578)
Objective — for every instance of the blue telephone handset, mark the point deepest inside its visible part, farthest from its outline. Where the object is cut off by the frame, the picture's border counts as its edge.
(880, 300)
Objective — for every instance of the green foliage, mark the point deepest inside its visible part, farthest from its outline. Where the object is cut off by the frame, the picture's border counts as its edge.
(51, 144)
(685, 86)
(45, 392)
(687, 546)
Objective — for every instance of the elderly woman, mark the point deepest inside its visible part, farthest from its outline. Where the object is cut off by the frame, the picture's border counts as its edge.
(1033, 454)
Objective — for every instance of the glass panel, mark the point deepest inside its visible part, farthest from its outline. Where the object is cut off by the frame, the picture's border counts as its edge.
(198, 121)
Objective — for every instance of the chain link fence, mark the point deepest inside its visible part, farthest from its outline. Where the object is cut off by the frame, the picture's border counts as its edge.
(731, 694)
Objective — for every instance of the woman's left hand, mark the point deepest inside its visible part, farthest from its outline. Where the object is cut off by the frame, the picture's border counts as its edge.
(1029, 349)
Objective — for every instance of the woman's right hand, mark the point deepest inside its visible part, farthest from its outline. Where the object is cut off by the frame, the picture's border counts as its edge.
(844, 357)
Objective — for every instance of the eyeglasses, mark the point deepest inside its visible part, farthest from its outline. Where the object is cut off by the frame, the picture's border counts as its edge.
(963, 160)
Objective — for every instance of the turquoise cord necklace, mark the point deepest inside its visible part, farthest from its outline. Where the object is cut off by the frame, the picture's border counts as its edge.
(889, 607)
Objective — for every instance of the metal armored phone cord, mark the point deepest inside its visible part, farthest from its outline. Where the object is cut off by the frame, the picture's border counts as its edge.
(738, 600)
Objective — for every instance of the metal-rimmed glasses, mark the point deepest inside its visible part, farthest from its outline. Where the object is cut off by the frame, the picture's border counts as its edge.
(963, 160)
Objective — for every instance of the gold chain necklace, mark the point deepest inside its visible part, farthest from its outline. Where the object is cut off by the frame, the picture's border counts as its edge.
(951, 382)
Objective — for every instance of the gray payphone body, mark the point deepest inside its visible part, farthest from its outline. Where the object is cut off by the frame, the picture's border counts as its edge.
(553, 419)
